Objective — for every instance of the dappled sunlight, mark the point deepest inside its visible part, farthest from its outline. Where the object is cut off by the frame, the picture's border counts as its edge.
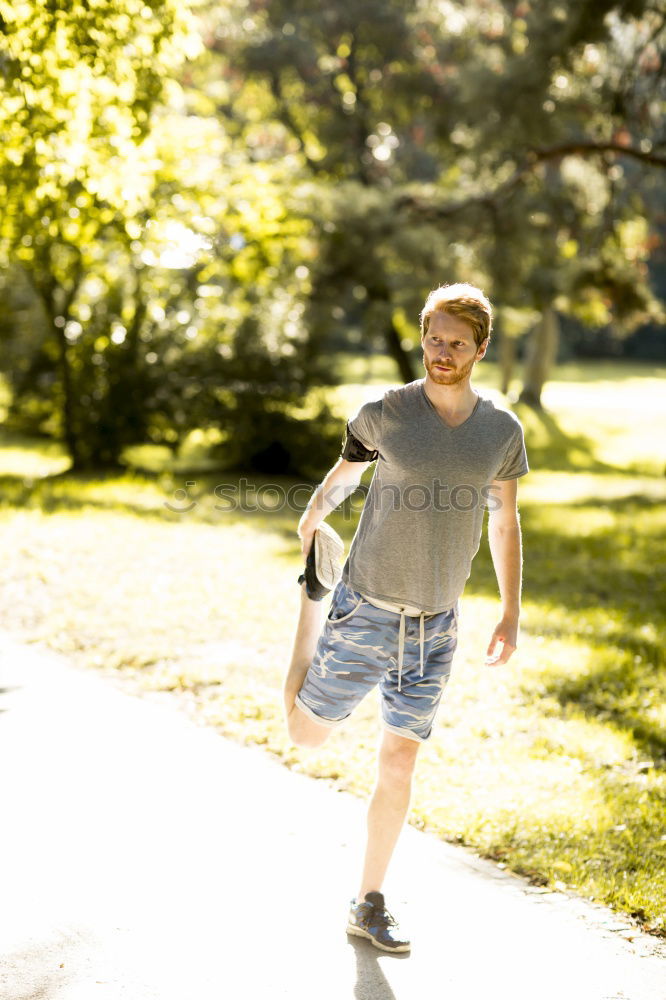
(546, 487)
(587, 739)
(30, 458)
(569, 549)
(346, 399)
(624, 415)
(86, 492)
(509, 786)
(614, 686)
(587, 425)
(132, 597)
(218, 225)
(550, 764)
(550, 447)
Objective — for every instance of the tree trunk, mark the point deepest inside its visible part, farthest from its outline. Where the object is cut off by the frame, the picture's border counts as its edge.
(398, 353)
(379, 294)
(71, 438)
(541, 356)
(507, 360)
(57, 302)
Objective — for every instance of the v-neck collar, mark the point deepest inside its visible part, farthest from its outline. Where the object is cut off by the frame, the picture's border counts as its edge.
(444, 424)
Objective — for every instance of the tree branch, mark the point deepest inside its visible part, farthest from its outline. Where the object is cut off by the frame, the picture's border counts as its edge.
(362, 110)
(287, 119)
(589, 148)
(533, 158)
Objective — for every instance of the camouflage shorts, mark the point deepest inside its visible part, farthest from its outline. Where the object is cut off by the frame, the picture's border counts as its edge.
(358, 648)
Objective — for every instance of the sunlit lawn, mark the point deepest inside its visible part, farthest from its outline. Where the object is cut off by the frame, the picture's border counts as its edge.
(553, 765)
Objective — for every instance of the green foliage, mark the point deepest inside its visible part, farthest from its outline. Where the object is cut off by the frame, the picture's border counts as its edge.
(79, 83)
(147, 292)
(78, 87)
(492, 134)
(195, 212)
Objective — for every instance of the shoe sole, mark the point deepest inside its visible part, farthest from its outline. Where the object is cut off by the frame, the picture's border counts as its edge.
(359, 932)
(328, 554)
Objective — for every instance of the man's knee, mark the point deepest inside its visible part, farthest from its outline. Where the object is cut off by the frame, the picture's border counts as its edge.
(397, 759)
(303, 731)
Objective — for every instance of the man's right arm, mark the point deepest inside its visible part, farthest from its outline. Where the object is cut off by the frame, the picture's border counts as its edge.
(342, 480)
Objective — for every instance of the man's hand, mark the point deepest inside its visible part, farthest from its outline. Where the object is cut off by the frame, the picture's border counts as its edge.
(506, 634)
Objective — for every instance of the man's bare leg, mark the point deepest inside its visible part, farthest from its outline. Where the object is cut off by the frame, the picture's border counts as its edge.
(308, 630)
(302, 729)
(388, 807)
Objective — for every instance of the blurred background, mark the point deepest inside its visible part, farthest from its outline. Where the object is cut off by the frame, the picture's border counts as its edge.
(219, 224)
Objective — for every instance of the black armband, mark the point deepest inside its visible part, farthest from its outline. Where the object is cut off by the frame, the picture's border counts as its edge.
(354, 450)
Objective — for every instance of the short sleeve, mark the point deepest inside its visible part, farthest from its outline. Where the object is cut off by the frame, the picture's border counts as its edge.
(514, 464)
(366, 426)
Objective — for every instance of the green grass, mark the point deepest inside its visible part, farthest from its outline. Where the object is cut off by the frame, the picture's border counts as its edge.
(552, 765)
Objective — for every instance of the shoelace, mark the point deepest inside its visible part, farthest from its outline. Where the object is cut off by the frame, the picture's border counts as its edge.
(383, 917)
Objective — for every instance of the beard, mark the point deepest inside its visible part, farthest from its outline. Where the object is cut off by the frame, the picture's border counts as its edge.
(452, 377)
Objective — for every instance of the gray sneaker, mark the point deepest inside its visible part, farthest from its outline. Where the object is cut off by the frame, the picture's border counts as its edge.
(370, 919)
(323, 566)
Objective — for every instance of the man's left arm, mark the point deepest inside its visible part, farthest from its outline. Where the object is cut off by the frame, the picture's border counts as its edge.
(506, 550)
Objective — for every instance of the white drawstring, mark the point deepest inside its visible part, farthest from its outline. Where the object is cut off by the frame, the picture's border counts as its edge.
(401, 643)
(402, 610)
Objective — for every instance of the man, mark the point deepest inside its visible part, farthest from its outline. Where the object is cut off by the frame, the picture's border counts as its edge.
(444, 455)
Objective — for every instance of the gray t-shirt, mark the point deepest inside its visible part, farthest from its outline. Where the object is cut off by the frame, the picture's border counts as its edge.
(421, 524)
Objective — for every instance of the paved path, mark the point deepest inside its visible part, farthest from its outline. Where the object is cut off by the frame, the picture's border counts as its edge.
(144, 856)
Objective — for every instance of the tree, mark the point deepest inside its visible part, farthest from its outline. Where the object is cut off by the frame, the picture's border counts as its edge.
(79, 83)
(149, 269)
(578, 137)
(460, 116)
